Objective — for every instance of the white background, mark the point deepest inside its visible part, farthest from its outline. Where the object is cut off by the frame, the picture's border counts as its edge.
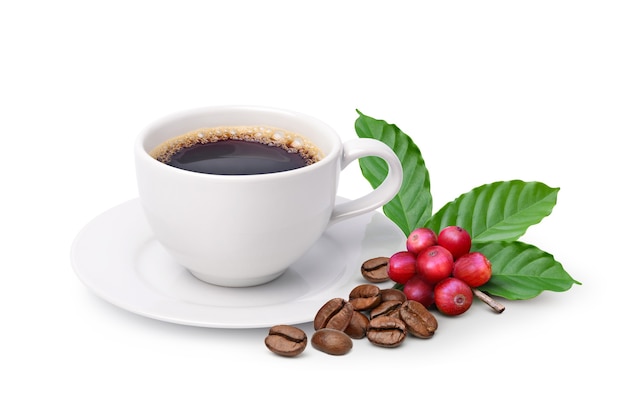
(489, 90)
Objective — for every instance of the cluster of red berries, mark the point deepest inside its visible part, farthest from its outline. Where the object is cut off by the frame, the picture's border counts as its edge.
(440, 269)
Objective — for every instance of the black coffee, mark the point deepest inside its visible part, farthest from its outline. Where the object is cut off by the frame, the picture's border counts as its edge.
(239, 150)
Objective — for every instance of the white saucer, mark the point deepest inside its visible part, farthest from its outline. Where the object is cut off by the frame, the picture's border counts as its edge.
(117, 257)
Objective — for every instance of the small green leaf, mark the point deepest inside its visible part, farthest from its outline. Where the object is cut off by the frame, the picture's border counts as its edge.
(521, 271)
(500, 211)
(412, 206)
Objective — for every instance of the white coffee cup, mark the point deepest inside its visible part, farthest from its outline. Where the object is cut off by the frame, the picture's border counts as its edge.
(245, 230)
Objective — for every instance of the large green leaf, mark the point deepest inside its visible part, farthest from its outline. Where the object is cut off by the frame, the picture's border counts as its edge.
(500, 211)
(412, 206)
(521, 271)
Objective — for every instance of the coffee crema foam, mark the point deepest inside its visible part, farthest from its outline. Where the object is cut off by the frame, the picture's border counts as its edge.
(271, 136)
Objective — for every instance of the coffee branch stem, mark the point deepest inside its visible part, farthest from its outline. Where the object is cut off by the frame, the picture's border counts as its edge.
(496, 306)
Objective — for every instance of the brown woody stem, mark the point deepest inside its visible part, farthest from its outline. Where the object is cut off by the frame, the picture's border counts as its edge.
(496, 306)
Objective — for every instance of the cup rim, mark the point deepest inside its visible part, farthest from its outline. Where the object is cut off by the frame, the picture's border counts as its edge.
(328, 157)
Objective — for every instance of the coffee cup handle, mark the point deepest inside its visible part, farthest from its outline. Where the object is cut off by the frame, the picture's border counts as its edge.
(381, 195)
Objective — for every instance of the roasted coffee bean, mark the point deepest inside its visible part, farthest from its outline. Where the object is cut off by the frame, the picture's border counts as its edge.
(335, 314)
(286, 340)
(357, 329)
(331, 341)
(364, 297)
(389, 294)
(375, 269)
(389, 308)
(386, 331)
(419, 321)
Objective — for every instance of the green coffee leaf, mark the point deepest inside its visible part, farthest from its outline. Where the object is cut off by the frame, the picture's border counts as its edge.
(412, 206)
(495, 215)
(521, 271)
(497, 211)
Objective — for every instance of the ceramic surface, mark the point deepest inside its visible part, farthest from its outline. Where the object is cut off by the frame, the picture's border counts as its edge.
(118, 258)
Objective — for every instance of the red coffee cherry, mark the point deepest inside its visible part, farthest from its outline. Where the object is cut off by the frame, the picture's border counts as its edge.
(419, 290)
(401, 266)
(453, 296)
(473, 268)
(456, 239)
(420, 239)
(434, 264)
